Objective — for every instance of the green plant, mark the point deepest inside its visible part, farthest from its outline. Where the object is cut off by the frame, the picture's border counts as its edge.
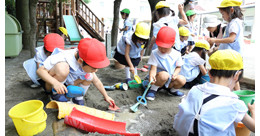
(10, 7)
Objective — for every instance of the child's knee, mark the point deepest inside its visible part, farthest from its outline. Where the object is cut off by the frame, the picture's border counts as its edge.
(182, 80)
(162, 76)
(61, 70)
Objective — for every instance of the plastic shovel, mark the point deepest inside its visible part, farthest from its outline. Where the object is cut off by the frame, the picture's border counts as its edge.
(134, 108)
(137, 79)
(113, 107)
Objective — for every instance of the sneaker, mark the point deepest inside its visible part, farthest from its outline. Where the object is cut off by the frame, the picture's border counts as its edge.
(175, 92)
(151, 95)
(79, 102)
(34, 86)
(128, 80)
(59, 97)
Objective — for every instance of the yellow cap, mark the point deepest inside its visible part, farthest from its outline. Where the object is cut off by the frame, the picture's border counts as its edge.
(184, 31)
(226, 60)
(202, 44)
(162, 4)
(142, 30)
(64, 31)
(230, 3)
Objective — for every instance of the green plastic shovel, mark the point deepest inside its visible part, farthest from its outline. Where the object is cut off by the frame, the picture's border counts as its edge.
(134, 108)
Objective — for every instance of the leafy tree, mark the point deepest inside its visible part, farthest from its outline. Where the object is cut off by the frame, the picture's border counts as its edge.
(87, 1)
(10, 7)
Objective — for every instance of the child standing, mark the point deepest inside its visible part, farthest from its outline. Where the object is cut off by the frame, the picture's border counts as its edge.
(193, 67)
(71, 66)
(233, 35)
(165, 65)
(184, 35)
(127, 24)
(130, 49)
(51, 41)
(164, 16)
(191, 15)
(212, 108)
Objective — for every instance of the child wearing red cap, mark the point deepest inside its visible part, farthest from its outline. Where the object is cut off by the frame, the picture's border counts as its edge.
(165, 65)
(71, 66)
(52, 42)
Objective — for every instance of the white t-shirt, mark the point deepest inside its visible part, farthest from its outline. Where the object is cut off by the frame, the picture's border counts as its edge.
(40, 55)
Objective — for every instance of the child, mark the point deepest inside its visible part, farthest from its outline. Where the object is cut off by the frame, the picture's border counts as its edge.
(191, 15)
(184, 35)
(215, 28)
(127, 24)
(70, 67)
(164, 16)
(165, 65)
(193, 67)
(130, 49)
(233, 35)
(211, 108)
(51, 41)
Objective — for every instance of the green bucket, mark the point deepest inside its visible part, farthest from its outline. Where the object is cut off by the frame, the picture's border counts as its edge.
(245, 95)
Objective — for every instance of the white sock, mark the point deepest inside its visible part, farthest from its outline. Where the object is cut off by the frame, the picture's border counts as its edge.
(136, 71)
(85, 87)
(79, 98)
(154, 87)
(173, 90)
(127, 72)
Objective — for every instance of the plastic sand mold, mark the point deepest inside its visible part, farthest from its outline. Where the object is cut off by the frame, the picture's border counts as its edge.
(137, 79)
(90, 123)
(66, 108)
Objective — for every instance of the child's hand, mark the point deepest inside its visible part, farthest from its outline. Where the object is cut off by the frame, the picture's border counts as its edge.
(152, 78)
(174, 77)
(180, 7)
(132, 70)
(109, 100)
(60, 88)
(251, 108)
(211, 40)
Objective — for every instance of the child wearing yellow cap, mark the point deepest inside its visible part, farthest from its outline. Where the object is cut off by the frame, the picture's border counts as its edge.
(184, 35)
(165, 65)
(233, 37)
(165, 16)
(127, 24)
(52, 43)
(212, 108)
(76, 67)
(193, 67)
(130, 49)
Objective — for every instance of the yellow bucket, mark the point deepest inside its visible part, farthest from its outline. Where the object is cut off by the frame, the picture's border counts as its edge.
(29, 117)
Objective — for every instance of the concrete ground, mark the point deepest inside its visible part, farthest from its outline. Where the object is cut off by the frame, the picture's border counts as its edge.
(17, 90)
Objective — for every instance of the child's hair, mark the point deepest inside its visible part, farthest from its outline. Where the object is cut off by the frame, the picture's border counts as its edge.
(83, 63)
(189, 17)
(236, 14)
(186, 2)
(198, 49)
(45, 50)
(162, 12)
(136, 38)
(225, 73)
(122, 13)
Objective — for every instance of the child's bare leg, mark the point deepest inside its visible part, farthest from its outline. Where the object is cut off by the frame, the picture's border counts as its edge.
(161, 78)
(178, 82)
(237, 86)
(60, 72)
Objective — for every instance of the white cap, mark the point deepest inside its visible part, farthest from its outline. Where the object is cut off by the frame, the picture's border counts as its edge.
(211, 21)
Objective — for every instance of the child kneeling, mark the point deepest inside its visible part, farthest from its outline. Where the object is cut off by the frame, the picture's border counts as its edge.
(211, 108)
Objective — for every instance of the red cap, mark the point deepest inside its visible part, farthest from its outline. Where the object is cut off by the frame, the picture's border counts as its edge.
(52, 41)
(93, 52)
(166, 37)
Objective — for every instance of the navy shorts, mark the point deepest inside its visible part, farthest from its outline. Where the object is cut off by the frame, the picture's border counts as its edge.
(190, 43)
(121, 59)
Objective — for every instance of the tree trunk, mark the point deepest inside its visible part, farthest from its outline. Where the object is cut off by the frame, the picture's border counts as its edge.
(152, 4)
(22, 14)
(33, 23)
(114, 32)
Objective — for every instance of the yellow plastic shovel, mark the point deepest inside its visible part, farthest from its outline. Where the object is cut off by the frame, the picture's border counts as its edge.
(137, 79)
